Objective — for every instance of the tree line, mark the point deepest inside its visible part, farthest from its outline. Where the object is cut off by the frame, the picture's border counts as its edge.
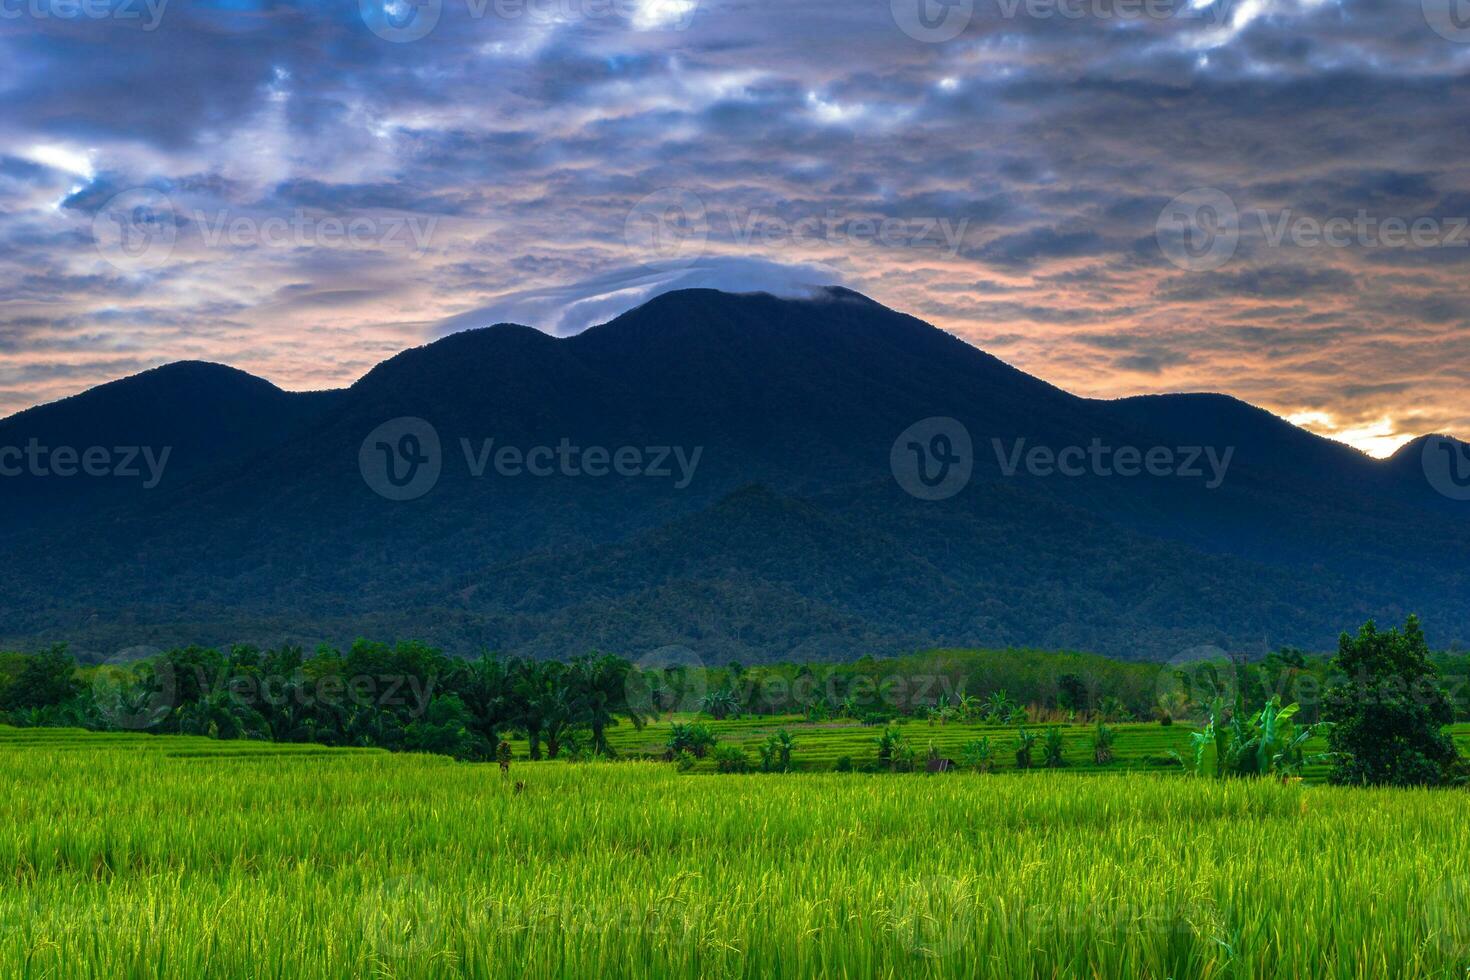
(406, 697)
(1382, 700)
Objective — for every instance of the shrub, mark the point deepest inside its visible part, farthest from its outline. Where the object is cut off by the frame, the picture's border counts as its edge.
(903, 758)
(776, 752)
(696, 739)
(1103, 738)
(888, 744)
(1052, 747)
(684, 761)
(47, 679)
(978, 755)
(844, 764)
(1024, 742)
(1111, 708)
(731, 758)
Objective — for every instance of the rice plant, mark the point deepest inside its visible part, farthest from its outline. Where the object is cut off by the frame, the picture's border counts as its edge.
(141, 857)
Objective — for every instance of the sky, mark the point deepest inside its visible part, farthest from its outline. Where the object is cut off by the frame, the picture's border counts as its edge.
(1268, 198)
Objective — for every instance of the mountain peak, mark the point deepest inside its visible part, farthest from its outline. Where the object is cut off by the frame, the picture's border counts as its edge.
(1414, 448)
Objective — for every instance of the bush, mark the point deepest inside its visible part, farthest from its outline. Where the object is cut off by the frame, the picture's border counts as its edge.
(46, 680)
(1103, 738)
(844, 764)
(731, 758)
(684, 761)
(1052, 747)
(776, 752)
(889, 744)
(695, 739)
(1388, 717)
(978, 755)
(904, 758)
(1024, 742)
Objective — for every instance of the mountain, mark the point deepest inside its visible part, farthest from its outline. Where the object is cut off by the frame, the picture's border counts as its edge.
(204, 413)
(721, 472)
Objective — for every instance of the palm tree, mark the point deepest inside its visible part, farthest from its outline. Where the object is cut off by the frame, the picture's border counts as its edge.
(599, 695)
(537, 691)
(968, 705)
(720, 705)
(218, 715)
(487, 688)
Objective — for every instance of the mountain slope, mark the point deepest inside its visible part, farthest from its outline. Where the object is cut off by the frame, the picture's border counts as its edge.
(787, 532)
(181, 419)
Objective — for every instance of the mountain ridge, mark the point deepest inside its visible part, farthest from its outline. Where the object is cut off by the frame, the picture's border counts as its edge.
(274, 526)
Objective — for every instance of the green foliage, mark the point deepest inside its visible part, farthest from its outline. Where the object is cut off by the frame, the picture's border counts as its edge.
(720, 705)
(1025, 741)
(731, 758)
(696, 739)
(1103, 738)
(684, 761)
(1071, 692)
(843, 764)
(890, 743)
(45, 680)
(978, 755)
(775, 752)
(1171, 705)
(1266, 743)
(1388, 716)
(904, 757)
(1112, 708)
(999, 707)
(407, 697)
(1052, 747)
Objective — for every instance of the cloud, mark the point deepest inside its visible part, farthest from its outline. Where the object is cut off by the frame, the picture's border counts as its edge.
(1050, 143)
(572, 308)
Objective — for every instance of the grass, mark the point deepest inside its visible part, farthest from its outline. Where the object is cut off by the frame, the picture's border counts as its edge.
(130, 856)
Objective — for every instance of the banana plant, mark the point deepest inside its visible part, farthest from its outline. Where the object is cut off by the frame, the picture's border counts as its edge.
(1265, 743)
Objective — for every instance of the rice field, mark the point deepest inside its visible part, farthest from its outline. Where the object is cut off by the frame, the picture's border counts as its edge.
(137, 856)
(1141, 747)
(820, 744)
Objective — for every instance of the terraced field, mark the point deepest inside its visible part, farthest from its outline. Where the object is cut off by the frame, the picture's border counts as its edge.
(1139, 747)
(821, 744)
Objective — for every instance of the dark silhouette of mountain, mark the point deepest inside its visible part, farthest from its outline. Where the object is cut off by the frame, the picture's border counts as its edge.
(204, 413)
(777, 529)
